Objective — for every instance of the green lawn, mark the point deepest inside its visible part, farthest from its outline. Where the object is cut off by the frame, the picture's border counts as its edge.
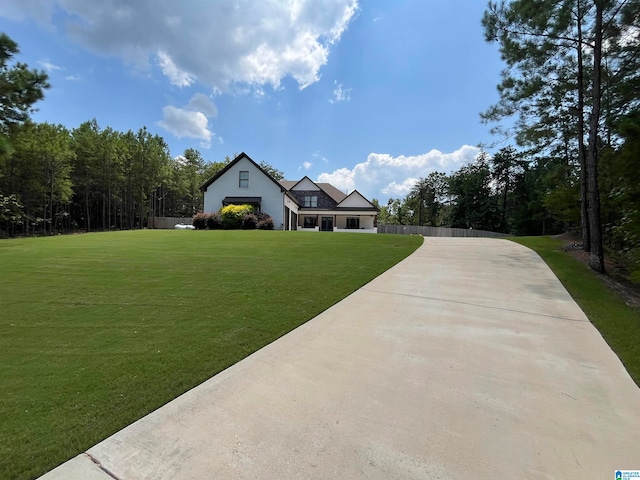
(618, 323)
(96, 330)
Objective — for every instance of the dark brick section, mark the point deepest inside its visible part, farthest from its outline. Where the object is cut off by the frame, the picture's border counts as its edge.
(325, 202)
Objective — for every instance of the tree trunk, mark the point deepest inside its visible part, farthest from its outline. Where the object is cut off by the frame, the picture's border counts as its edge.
(584, 201)
(596, 259)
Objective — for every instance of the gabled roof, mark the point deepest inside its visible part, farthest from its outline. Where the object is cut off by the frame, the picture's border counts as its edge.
(327, 188)
(356, 193)
(206, 184)
(332, 191)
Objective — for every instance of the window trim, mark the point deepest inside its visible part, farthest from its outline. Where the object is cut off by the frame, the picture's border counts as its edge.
(241, 179)
(310, 201)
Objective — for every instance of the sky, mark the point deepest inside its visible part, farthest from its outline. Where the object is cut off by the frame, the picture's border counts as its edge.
(368, 95)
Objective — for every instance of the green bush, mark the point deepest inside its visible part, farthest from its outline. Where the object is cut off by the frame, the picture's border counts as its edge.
(232, 215)
(200, 221)
(214, 221)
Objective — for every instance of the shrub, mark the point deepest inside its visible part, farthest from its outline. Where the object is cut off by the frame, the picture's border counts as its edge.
(200, 221)
(232, 215)
(249, 221)
(214, 221)
(265, 222)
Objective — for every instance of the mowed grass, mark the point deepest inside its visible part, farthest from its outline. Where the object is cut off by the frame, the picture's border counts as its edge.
(618, 323)
(97, 330)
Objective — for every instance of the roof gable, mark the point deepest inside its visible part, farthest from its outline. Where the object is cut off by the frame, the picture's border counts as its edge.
(231, 164)
(356, 200)
(305, 184)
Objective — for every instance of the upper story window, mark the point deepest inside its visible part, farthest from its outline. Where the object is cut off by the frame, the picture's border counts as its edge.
(244, 179)
(310, 201)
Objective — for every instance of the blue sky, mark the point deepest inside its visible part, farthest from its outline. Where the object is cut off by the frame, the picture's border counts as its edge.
(367, 95)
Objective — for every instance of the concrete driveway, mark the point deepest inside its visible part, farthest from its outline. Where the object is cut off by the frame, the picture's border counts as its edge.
(466, 360)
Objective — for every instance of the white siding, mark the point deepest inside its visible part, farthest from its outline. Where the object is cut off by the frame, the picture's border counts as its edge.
(355, 200)
(260, 185)
(366, 221)
(306, 184)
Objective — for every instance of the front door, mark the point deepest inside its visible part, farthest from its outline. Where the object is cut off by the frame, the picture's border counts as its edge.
(326, 224)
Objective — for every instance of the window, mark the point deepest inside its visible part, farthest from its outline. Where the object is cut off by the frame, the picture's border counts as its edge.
(310, 201)
(244, 179)
(310, 222)
(353, 222)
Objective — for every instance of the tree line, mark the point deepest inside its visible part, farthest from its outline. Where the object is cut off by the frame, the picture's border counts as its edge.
(505, 192)
(58, 180)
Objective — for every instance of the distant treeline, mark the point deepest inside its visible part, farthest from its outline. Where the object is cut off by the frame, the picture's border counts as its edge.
(59, 180)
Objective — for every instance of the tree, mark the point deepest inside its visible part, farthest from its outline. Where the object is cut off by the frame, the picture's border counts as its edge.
(20, 88)
(473, 205)
(271, 170)
(41, 164)
(506, 169)
(426, 199)
(551, 88)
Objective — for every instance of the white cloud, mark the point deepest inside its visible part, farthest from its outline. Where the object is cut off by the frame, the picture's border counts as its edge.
(307, 165)
(186, 123)
(395, 189)
(343, 178)
(176, 76)
(191, 121)
(48, 66)
(218, 44)
(383, 176)
(340, 94)
(202, 103)
(73, 78)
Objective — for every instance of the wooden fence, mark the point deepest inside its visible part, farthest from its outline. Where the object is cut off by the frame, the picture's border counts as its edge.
(438, 231)
(167, 222)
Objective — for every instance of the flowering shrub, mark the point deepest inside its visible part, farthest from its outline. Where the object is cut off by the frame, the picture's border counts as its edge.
(265, 222)
(200, 221)
(232, 215)
(249, 221)
(214, 221)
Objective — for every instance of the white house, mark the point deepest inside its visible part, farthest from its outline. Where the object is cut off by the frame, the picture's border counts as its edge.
(293, 205)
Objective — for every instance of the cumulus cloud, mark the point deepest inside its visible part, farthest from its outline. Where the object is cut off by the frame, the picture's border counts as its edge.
(192, 120)
(307, 165)
(218, 44)
(340, 94)
(186, 123)
(383, 175)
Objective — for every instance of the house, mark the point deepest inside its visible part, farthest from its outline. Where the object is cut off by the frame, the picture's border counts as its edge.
(293, 205)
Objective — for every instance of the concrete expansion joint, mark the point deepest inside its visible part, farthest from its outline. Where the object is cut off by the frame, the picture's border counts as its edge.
(101, 467)
(460, 302)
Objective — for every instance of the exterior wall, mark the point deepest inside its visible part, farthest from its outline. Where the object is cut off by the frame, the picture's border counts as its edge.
(325, 202)
(306, 184)
(340, 221)
(366, 221)
(259, 186)
(355, 200)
